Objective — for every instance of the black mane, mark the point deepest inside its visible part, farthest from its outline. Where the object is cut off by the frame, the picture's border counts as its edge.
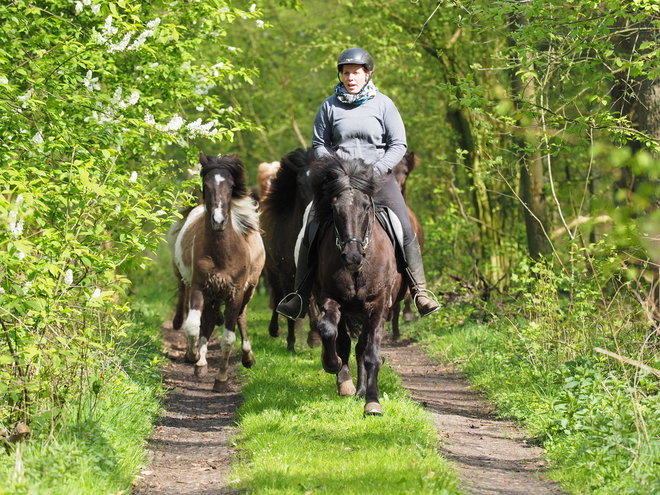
(234, 165)
(332, 175)
(283, 187)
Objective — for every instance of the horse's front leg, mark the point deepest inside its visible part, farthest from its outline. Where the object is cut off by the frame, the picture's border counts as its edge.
(345, 385)
(209, 317)
(181, 303)
(370, 361)
(232, 312)
(313, 337)
(247, 358)
(193, 323)
(330, 316)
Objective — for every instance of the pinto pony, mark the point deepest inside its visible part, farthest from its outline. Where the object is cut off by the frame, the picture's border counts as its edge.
(218, 256)
(357, 277)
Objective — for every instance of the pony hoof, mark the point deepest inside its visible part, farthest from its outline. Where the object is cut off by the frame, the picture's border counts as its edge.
(346, 389)
(408, 317)
(313, 339)
(201, 371)
(221, 387)
(333, 370)
(373, 409)
(275, 332)
(191, 357)
(248, 360)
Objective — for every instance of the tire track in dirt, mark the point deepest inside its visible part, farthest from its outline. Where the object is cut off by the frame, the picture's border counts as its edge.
(492, 456)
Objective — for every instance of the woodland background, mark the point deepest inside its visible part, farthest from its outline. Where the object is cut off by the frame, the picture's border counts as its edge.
(537, 125)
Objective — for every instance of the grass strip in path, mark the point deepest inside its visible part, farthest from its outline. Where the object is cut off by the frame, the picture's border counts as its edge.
(298, 436)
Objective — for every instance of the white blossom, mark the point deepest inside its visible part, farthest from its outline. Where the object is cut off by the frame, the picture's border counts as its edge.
(4, 80)
(260, 23)
(2, 290)
(117, 208)
(231, 48)
(16, 228)
(79, 7)
(198, 129)
(96, 294)
(121, 46)
(68, 277)
(174, 124)
(96, 9)
(149, 119)
(38, 138)
(253, 8)
(153, 24)
(134, 98)
(19, 200)
(20, 255)
(134, 177)
(91, 83)
(154, 65)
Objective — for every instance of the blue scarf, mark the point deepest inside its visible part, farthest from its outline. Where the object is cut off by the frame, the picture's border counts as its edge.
(365, 94)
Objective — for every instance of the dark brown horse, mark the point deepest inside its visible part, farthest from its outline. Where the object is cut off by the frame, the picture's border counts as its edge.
(290, 191)
(357, 278)
(218, 255)
(401, 172)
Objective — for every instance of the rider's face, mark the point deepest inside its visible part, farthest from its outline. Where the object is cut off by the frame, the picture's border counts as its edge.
(354, 78)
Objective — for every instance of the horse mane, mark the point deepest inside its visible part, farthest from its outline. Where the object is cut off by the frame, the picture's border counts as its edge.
(283, 188)
(234, 165)
(332, 175)
(244, 209)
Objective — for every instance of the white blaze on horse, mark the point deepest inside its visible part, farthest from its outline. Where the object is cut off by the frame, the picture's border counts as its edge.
(218, 256)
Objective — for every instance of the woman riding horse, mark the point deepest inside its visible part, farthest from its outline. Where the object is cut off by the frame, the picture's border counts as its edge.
(360, 122)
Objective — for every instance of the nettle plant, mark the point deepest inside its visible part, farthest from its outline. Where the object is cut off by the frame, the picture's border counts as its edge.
(92, 93)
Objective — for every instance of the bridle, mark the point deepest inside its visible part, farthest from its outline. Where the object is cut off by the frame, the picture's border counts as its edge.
(365, 238)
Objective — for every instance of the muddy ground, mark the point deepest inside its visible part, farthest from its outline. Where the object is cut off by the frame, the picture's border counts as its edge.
(191, 447)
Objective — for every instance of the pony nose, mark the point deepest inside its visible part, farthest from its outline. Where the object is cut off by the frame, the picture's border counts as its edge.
(219, 220)
(352, 259)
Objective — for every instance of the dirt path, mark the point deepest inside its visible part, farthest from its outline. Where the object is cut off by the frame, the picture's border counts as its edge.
(491, 455)
(191, 448)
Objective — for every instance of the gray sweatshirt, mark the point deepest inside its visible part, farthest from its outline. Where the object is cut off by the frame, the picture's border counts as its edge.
(373, 131)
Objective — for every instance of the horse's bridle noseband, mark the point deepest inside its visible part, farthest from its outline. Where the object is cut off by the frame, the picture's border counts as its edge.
(365, 239)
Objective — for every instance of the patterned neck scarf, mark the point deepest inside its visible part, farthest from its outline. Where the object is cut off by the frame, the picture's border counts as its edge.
(365, 94)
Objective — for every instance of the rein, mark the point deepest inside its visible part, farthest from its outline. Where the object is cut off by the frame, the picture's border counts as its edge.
(365, 238)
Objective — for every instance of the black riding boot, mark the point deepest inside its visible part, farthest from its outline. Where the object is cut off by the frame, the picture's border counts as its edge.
(294, 305)
(425, 300)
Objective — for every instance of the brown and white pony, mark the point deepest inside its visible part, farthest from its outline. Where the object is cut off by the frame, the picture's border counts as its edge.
(218, 255)
(265, 173)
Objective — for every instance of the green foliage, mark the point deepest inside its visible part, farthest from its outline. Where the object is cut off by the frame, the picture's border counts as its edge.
(535, 358)
(94, 98)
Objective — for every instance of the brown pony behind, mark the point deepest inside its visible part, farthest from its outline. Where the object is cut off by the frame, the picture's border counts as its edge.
(218, 256)
(357, 280)
(401, 172)
(290, 191)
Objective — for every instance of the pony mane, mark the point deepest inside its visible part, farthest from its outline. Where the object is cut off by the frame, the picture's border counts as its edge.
(231, 163)
(244, 215)
(283, 187)
(332, 175)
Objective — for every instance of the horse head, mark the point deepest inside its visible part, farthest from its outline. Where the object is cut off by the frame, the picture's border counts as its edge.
(344, 192)
(223, 178)
(402, 169)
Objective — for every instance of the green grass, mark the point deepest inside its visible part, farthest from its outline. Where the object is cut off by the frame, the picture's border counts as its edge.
(298, 436)
(98, 443)
(599, 422)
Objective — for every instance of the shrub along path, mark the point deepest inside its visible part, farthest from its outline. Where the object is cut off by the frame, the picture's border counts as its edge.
(191, 448)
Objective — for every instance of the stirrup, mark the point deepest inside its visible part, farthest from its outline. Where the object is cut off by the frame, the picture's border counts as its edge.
(284, 300)
(430, 295)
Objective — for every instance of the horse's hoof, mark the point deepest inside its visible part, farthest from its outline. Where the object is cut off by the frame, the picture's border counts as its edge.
(201, 371)
(408, 317)
(192, 357)
(346, 389)
(221, 387)
(275, 332)
(248, 360)
(373, 409)
(313, 339)
(333, 370)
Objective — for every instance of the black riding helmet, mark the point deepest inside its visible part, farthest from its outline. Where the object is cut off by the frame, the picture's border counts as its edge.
(355, 56)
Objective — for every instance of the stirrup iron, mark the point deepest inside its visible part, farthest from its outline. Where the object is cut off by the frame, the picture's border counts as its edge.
(287, 299)
(429, 294)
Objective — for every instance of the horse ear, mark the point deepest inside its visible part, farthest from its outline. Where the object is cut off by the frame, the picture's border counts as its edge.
(202, 158)
(416, 161)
